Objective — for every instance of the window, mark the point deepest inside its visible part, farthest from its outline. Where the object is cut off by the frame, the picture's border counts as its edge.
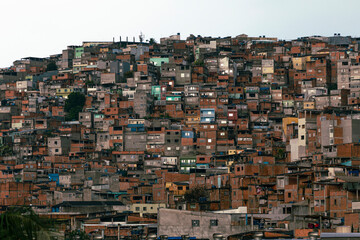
(144, 208)
(137, 209)
(195, 223)
(289, 195)
(288, 210)
(213, 222)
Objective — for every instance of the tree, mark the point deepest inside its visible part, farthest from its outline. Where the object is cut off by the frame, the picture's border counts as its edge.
(73, 105)
(280, 154)
(5, 151)
(152, 41)
(190, 58)
(195, 194)
(51, 66)
(90, 83)
(22, 223)
(199, 62)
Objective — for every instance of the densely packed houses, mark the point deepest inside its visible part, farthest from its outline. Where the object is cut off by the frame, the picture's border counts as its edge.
(259, 133)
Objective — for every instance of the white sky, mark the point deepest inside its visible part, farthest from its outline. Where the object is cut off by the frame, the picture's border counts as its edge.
(39, 28)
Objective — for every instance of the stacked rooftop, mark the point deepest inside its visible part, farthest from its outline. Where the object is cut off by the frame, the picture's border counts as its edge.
(263, 126)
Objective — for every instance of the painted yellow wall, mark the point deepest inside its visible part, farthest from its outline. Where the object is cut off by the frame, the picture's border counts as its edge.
(287, 121)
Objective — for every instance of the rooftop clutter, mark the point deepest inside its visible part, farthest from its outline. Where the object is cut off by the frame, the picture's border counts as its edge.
(253, 124)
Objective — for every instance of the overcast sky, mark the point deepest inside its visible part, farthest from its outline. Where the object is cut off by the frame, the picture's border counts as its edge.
(39, 28)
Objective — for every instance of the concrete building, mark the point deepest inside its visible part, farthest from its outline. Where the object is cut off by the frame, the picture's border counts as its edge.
(142, 103)
(201, 225)
(146, 208)
(343, 74)
(183, 75)
(58, 145)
